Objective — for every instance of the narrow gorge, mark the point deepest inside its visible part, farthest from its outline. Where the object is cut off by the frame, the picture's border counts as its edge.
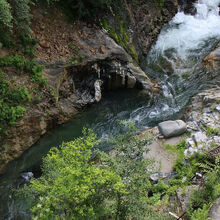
(168, 69)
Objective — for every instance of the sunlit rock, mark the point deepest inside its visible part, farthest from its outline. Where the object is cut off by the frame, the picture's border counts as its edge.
(172, 128)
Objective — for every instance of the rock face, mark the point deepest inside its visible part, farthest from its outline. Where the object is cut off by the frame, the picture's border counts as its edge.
(183, 196)
(101, 65)
(212, 61)
(202, 116)
(187, 6)
(144, 20)
(202, 119)
(172, 128)
(215, 210)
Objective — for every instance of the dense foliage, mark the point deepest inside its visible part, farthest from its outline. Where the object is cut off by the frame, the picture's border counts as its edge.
(5, 14)
(16, 13)
(74, 187)
(10, 100)
(117, 186)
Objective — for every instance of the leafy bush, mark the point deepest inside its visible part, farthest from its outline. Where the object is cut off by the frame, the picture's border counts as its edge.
(129, 164)
(10, 101)
(27, 45)
(74, 187)
(23, 64)
(21, 14)
(15, 12)
(71, 186)
(5, 14)
(6, 40)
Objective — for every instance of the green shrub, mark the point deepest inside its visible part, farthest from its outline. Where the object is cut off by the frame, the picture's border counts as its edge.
(6, 40)
(199, 199)
(21, 14)
(27, 45)
(23, 64)
(109, 187)
(129, 164)
(5, 14)
(15, 12)
(201, 213)
(71, 187)
(10, 100)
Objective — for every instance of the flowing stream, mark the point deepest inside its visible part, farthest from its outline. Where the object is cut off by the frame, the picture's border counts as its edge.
(174, 61)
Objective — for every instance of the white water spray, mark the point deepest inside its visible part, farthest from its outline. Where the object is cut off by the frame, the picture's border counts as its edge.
(191, 32)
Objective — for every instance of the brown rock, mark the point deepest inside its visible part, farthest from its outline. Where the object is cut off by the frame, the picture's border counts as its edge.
(103, 49)
(3, 53)
(212, 58)
(92, 50)
(44, 44)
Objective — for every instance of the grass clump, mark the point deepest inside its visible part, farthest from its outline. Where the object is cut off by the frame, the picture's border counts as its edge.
(27, 45)
(25, 65)
(212, 131)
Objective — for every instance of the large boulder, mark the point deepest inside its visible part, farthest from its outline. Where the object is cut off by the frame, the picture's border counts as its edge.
(172, 128)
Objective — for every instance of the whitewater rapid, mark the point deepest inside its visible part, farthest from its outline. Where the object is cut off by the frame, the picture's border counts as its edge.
(190, 32)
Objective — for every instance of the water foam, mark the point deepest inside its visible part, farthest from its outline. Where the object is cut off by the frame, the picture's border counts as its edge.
(191, 32)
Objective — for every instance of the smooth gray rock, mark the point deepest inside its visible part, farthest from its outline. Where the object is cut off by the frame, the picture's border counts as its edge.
(215, 210)
(172, 128)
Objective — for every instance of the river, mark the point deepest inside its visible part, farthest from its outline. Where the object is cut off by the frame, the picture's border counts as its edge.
(174, 61)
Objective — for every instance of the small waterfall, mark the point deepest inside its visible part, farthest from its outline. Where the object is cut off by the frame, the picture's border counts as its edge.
(175, 59)
(188, 32)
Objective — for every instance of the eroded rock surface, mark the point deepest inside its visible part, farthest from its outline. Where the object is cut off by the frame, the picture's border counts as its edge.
(203, 121)
(81, 61)
(183, 196)
(215, 210)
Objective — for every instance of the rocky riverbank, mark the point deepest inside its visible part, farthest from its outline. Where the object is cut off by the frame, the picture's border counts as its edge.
(202, 137)
(81, 61)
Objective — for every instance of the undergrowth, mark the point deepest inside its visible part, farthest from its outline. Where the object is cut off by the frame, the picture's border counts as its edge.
(11, 99)
(208, 191)
(24, 65)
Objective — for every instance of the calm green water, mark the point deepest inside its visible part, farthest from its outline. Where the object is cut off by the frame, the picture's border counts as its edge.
(102, 118)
